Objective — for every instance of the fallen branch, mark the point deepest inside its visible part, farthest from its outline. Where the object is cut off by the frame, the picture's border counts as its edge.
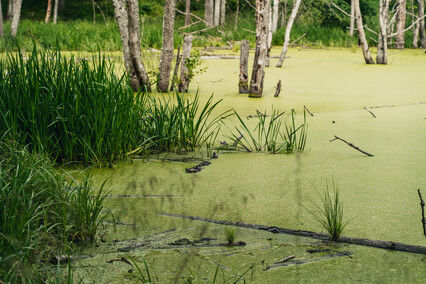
(308, 111)
(352, 145)
(285, 259)
(369, 111)
(296, 40)
(389, 245)
(309, 260)
(422, 205)
(238, 139)
(201, 20)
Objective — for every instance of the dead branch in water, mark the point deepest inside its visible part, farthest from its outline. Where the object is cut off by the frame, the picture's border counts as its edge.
(352, 145)
(369, 111)
(422, 205)
(278, 89)
(308, 111)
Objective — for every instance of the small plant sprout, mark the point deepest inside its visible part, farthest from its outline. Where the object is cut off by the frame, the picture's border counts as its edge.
(330, 213)
(230, 235)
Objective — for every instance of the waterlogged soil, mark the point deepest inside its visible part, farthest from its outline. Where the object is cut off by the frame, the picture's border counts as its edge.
(379, 193)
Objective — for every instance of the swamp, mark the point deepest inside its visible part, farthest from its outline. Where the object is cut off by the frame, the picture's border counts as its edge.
(309, 172)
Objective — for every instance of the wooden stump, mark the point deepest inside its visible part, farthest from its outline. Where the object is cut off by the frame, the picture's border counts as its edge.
(184, 73)
(244, 54)
(278, 89)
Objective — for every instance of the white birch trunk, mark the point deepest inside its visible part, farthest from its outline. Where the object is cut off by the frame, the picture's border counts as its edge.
(352, 22)
(55, 13)
(400, 24)
(421, 12)
(258, 73)
(361, 34)
(216, 12)
(275, 15)
(382, 44)
(287, 32)
(184, 74)
(222, 12)
(208, 11)
(16, 15)
(270, 34)
(187, 12)
(166, 56)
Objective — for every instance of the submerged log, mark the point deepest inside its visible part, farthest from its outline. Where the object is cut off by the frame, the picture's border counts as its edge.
(243, 81)
(278, 89)
(304, 261)
(422, 205)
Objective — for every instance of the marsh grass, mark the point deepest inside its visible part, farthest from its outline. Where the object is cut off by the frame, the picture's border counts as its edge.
(330, 212)
(230, 235)
(143, 277)
(271, 134)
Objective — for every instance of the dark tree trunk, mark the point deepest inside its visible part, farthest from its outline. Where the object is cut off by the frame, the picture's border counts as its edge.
(166, 56)
(244, 54)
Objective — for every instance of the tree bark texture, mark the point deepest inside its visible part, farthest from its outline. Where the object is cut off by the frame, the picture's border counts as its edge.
(400, 24)
(382, 44)
(275, 15)
(270, 34)
(352, 21)
(244, 54)
(9, 13)
(361, 35)
(16, 15)
(175, 72)
(55, 12)
(48, 11)
(415, 27)
(208, 11)
(1, 22)
(287, 32)
(128, 24)
(236, 15)
(184, 73)
(187, 12)
(166, 56)
(222, 12)
(216, 12)
(258, 73)
(421, 12)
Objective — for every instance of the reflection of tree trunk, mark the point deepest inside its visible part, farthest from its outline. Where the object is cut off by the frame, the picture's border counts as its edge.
(16, 15)
(400, 24)
(128, 24)
(1, 22)
(361, 35)
(258, 73)
(48, 11)
(422, 35)
(184, 73)
(222, 12)
(382, 44)
(187, 12)
(166, 56)
(352, 22)
(287, 32)
(216, 12)
(208, 12)
(275, 15)
(55, 12)
(244, 53)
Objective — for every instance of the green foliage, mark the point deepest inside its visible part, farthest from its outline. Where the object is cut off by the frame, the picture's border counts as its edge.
(230, 235)
(141, 276)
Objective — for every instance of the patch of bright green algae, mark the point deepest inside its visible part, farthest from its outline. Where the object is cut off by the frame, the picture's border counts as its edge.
(379, 193)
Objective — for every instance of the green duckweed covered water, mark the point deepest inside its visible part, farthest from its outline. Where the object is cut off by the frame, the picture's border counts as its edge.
(379, 193)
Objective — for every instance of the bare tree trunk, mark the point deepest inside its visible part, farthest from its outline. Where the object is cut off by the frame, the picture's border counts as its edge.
(236, 15)
(187, 12)
(258, 73)
(222, 12)
(48, 11)
(184, 74)
(415, 27)
(175, 72)
(9, 13)
(284, 14)
(287, 32)
(94, 11)
(361, 35)
(270, 34)
(16, 15)
(208, 11)
(1, 22)
(244, 54)
(352, 22)
(421, 12)
(128, 23)
(216, 12)
(275, 15)
(166, 56)
(382, 44)
(55, 12)
(400, 24)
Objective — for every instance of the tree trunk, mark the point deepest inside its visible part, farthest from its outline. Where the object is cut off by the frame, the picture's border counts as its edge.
(361, 35)
(1, 22)
(94, 11)
(244, 54)
(400, 24)
(382, 44)
(258, 73)
(236, 15)
(55, 12)
(61, 6)
(415, 26)
(352, 22)
(128, 23)
(175, 72)
(166, 56)
(275, 15)
(284, 14)
(9, 13)
(270, 34)
(48, 11)
(222, 12)
(421, 12)
(187, 12)
(16, 15)
(216, 12)
(287, 32)
(184, 74)
(208, 11)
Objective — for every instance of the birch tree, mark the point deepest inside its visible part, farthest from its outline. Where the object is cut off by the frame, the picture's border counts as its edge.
(127, 15)
(187, 12)
(275, 11)
(222, 12)
(166, 56)
(400, 23)
(15, 18)
(48, 11)
(208, 11)
(287, 33)
(55, 12)
(352, 21)
(258, 73)
(421, 12)
(216, 12)
(361, 34)
(382, 44)
(9, 13)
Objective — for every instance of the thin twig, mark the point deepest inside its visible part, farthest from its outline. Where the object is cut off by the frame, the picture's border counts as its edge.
(422, 204)
(299, 38)
(275, 118)
(250, 31)
(201, 20)
(352, 145)
(308, 111)
(369, 111)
